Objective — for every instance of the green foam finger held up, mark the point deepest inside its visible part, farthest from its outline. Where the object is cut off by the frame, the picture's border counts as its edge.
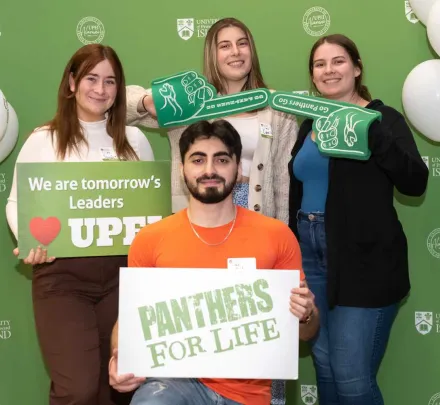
(341, 128)
(187, 97)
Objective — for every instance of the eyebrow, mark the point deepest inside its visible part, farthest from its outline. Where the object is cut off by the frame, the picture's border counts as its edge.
(216, 154)
(241, 39)
(339, 56)
(96, 75)
(223, 153)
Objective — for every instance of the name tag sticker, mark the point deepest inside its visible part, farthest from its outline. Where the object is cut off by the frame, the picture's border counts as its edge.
(246, 263)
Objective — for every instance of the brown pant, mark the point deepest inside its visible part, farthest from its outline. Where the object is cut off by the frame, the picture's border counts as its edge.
(75, 307)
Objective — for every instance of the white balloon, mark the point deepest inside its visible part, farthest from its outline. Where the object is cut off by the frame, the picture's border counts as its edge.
(433, 27)
(11, 135)
(4, 115)
(422, 8)
(421, 98)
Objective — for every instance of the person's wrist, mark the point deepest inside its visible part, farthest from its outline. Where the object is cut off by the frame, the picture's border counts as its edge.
(111, 361)
(148, 93)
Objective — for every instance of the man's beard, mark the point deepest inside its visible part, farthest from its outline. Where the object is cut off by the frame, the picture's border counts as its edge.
(211, 195)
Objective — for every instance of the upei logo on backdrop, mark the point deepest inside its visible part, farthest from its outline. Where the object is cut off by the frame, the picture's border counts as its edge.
(309, 394)
(5, 330)
(433, 164)
(433, 243)
(423, 322)
(435, 399)
(316, 21)
(426, 160)
(2, 182)
(90, 30)
(410, 16)
(426, 322)
(186, 27)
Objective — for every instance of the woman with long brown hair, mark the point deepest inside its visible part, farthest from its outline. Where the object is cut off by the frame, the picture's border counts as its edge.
(231, 65)
(75, 300)
(353, 246)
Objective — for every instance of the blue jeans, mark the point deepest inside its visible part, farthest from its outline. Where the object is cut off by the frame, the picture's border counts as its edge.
(351, 342)
(240, 195)
(177, 391)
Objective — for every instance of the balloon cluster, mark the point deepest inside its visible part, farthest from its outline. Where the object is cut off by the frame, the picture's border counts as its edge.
(421, 90)
(8, 128)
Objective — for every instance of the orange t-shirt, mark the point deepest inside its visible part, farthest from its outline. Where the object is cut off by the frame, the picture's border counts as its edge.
(172, 243)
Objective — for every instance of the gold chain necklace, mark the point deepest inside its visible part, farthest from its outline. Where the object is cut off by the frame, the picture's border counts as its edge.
(204, 241)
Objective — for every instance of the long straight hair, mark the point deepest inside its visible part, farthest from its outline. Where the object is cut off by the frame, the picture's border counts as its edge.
(65, 126)
(210, 66)
(353, 52)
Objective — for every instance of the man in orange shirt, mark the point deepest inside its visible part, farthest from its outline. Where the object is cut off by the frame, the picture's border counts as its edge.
(207, 234)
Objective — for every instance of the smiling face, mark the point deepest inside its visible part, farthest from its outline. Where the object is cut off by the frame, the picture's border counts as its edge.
(234, 59)
(334, 73)
(96, 92)
(209, 170)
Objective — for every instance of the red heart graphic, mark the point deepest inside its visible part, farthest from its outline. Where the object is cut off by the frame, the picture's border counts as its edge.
(45, 230)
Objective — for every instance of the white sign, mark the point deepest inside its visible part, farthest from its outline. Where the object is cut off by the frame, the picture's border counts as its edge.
(207, 323)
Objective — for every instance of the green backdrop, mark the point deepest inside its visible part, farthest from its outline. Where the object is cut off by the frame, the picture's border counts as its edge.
(38, 37)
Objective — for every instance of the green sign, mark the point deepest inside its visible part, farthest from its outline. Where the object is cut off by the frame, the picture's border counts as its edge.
(89, 209)
(341, 128)
(187, 97)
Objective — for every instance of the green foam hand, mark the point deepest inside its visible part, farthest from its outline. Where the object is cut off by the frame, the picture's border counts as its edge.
(187, 97)
(341, 128)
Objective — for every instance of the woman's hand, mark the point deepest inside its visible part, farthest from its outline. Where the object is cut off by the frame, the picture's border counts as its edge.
(36, 256)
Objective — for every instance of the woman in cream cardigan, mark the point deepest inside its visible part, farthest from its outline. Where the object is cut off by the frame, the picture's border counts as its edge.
(231, 65)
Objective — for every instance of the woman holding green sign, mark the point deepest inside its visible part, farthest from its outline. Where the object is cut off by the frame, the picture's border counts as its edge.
(353, 245)
(231, 65)
(75, 300)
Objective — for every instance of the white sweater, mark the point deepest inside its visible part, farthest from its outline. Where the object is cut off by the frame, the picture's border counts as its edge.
(39, 148)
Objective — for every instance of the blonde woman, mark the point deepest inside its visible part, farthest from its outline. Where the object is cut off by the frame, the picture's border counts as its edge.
(231, 65)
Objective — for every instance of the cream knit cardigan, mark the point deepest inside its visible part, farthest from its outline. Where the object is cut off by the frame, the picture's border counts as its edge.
(269, 177)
